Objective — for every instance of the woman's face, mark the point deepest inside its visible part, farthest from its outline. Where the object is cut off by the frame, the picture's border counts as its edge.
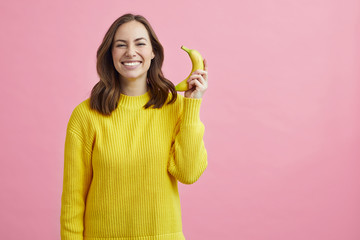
(132, 51)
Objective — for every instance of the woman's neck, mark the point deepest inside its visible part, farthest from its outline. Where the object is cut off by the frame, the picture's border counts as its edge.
(134, 88)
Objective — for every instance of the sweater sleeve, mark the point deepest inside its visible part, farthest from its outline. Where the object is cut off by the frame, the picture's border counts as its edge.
(76, 182)
(188, 155)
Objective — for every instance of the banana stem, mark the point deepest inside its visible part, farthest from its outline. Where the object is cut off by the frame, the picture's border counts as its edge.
(185, 49)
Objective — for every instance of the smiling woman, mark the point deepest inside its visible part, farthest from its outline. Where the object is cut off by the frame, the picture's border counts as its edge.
(123, 159)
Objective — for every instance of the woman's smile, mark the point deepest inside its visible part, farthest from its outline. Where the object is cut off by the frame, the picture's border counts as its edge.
(130, 65)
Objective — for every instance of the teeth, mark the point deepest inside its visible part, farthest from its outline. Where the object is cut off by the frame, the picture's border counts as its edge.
(131, 63)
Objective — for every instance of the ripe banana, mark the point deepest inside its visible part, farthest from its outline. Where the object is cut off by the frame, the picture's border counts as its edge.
(197, 63)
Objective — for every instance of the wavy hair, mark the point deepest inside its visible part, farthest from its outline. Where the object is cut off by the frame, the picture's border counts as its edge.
(106, 93)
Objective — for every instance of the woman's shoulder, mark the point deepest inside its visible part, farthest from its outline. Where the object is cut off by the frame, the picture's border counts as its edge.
(177, 104)
(82, 108)
(81, 115)
(182, 101)
(179, 98)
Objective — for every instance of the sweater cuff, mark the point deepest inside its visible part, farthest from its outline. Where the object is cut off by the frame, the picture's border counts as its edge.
(191, 111)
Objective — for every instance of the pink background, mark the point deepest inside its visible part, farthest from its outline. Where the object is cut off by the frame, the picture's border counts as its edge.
(282, 111)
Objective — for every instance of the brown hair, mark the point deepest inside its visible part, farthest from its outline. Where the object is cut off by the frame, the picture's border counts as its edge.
(106, 93)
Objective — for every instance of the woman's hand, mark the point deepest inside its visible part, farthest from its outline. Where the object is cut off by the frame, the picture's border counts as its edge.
(198, 83)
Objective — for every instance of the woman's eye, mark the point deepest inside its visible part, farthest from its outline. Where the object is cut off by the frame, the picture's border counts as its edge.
(141, 44)
(120, 45)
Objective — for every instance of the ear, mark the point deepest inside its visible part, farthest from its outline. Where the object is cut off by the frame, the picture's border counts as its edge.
(152, 55)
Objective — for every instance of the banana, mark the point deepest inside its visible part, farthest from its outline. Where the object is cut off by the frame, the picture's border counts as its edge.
(197, 63)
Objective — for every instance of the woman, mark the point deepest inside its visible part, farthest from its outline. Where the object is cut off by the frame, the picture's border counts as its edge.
(129, 143)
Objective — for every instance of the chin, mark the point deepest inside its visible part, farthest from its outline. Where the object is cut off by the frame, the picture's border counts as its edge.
(132, 77)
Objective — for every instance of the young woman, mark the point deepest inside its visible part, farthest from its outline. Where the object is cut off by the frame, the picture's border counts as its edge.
(129, 143)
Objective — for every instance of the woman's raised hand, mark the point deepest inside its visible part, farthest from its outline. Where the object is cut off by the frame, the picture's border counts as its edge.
(198, 83)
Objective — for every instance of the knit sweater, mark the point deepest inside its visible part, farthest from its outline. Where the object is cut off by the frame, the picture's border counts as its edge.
(121, 171)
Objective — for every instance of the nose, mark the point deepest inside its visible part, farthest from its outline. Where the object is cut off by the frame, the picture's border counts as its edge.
(130, 52)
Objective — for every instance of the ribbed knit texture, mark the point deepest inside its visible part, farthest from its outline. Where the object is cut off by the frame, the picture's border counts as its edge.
(121, 171)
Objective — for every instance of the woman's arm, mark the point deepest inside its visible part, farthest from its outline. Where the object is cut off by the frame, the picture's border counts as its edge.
(188, 155)
(76, 182)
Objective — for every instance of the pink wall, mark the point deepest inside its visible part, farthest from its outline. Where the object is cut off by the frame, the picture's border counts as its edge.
(282, 111)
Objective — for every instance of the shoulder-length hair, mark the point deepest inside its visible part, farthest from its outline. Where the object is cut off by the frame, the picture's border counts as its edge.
(106, 93)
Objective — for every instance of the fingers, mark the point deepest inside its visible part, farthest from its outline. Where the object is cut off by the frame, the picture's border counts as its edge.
(205, 65)
(197, 84)
(195, 76)
(199, 71)
(203, 73)
(197, 80)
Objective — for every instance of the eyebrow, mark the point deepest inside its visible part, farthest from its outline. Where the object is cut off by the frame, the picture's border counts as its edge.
(141, 38)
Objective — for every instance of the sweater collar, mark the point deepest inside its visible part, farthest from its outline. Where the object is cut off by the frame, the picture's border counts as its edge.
(134, 102)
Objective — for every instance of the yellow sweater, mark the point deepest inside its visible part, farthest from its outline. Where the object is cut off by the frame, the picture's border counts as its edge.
(121, 171)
